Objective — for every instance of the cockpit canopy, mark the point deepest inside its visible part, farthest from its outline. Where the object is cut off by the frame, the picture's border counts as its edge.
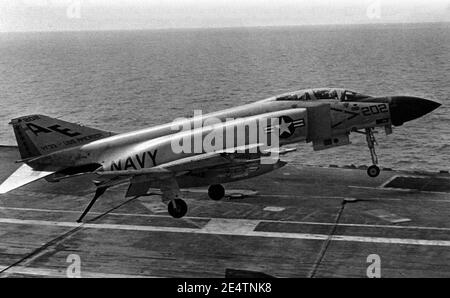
(323, 93)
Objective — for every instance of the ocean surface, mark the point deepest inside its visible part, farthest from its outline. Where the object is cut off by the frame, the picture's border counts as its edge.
(125, 80)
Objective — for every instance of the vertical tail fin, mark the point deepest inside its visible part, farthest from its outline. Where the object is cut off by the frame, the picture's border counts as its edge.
(38, 135)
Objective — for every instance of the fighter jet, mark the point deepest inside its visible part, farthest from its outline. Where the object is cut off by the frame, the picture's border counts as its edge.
(205, 150)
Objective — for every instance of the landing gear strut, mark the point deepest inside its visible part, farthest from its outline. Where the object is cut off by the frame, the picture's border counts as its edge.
(177, 208)
(216, 192)
(373, 170)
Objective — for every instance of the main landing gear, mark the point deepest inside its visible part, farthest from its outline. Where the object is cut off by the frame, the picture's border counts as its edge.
(373, 170)
(216, 192)
(177, 208)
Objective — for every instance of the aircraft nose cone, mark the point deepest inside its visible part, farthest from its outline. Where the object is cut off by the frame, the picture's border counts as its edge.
(407, 108)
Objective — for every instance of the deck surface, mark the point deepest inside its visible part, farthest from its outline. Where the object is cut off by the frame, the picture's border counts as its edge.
(303, 222)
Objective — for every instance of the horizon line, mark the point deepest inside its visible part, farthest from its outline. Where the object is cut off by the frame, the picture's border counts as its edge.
(226, 27)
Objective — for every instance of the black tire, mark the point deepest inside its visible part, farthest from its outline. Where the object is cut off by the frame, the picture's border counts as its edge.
(216, 192)
(373, 171)
(177, 210)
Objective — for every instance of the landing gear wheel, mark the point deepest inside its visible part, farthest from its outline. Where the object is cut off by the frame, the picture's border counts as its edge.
(177, 208)
(373, 171)
(216, 192)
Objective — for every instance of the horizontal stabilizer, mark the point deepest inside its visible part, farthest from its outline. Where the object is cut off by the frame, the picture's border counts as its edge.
(22, 176)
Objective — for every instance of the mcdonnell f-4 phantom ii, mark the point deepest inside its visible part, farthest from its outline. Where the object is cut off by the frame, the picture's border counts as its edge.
(240, 142)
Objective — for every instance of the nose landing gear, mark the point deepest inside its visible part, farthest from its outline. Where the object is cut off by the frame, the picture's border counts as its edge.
(373, 170)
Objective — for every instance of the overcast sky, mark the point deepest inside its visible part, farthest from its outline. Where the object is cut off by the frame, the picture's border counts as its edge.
(57, 15)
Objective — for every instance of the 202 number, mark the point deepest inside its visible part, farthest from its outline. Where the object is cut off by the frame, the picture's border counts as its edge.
(373, 110)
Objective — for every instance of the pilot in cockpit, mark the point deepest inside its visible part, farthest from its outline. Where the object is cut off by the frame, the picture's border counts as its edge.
(305, 96)
(333, 94)
(325, 94)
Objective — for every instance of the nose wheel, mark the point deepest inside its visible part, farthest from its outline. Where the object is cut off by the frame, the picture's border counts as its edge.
(177, 208)
(216, 192)
(373, 170)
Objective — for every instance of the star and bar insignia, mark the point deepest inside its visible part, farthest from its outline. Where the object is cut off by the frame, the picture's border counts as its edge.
(286, 126)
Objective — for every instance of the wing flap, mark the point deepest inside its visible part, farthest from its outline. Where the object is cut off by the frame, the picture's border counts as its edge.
(139, 185)
(22, 176)
(138, 188)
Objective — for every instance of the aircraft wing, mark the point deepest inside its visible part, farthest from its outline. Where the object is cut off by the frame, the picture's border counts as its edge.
(163, 176)
(180, 166)
(201, 161)
(22, 176)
